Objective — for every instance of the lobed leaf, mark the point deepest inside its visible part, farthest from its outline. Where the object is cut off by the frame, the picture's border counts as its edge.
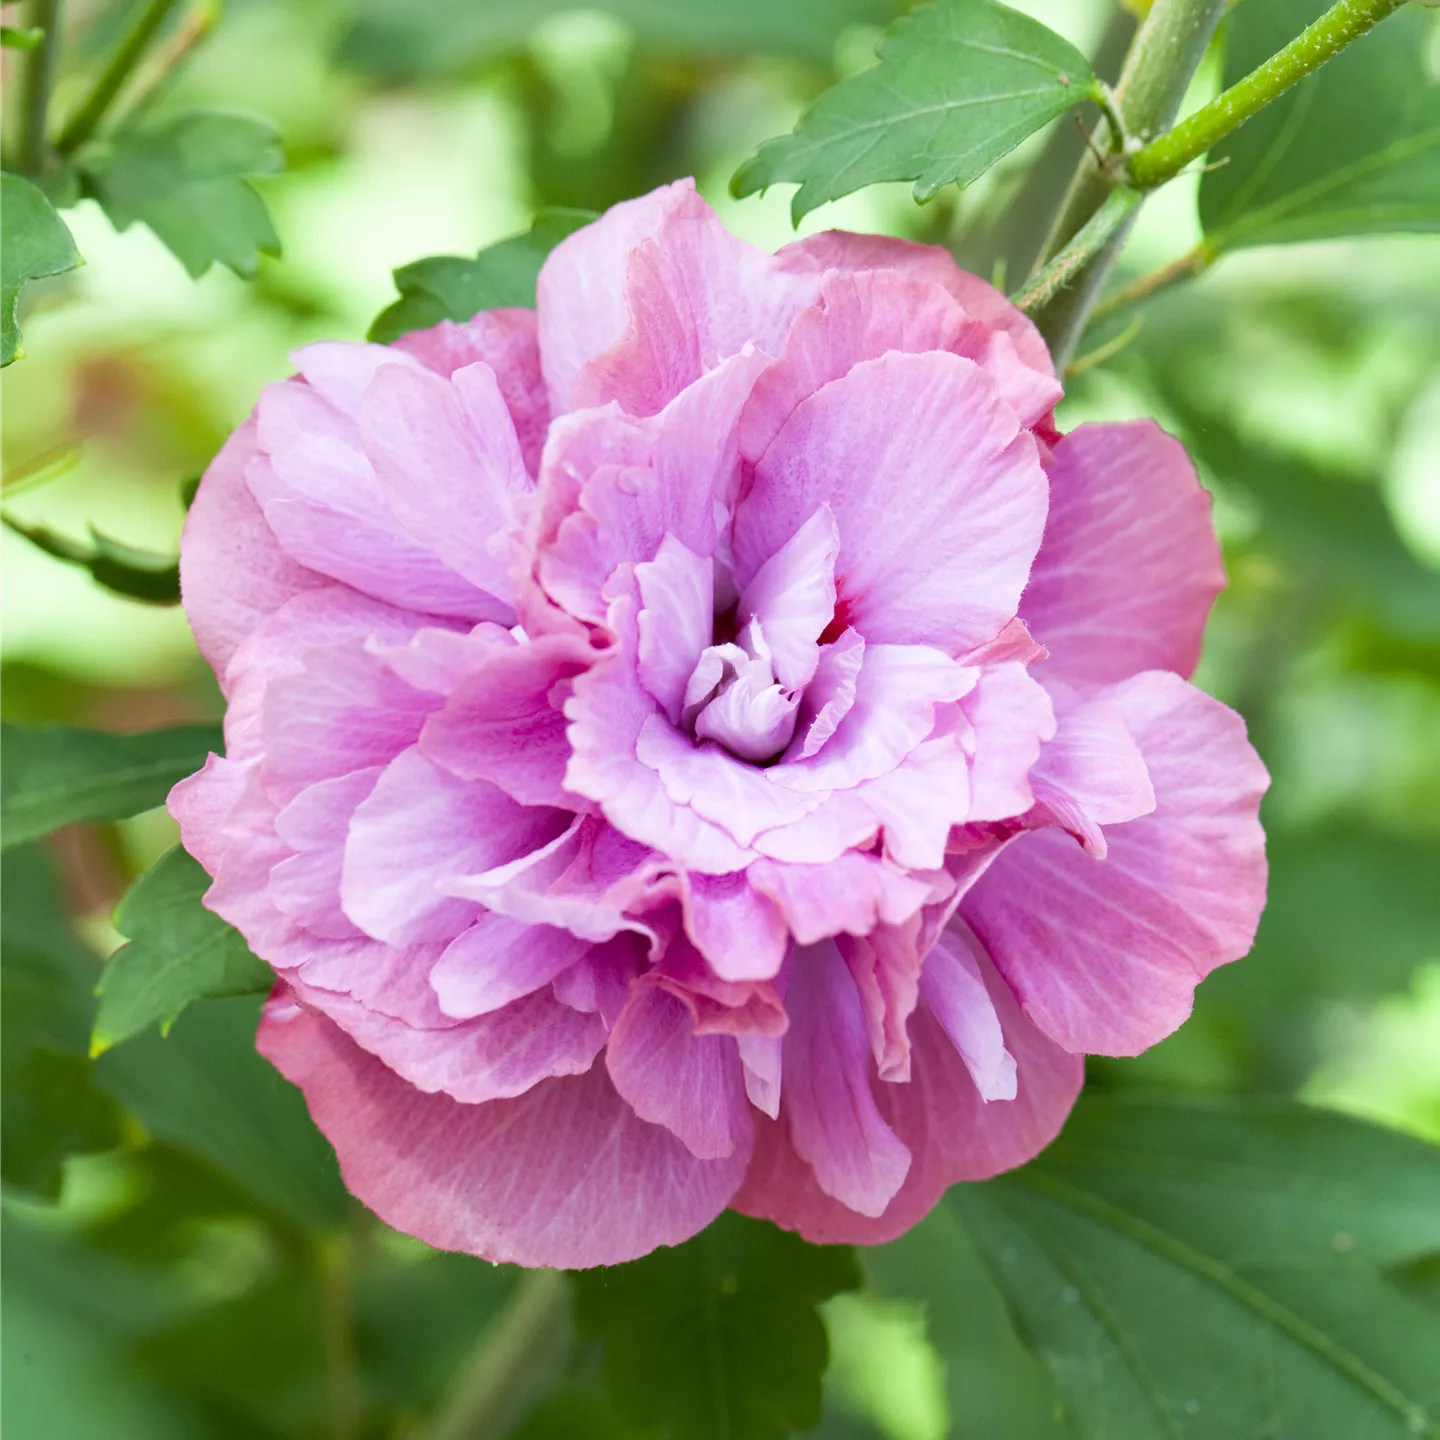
(449, 287)
(34, 243)
(1353, 149)
(719, 1338)
(185, 179)
(178, 952)
(1218, 1269)
(60, 774)
(206, 1090)
(959, 84)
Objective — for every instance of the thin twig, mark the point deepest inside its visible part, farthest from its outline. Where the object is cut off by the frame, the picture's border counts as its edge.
(1101, 353)
(197, 22)
(1192, 262)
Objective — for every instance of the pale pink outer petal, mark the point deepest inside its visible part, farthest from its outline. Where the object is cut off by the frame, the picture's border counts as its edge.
(834, 1122)
(506, 341)
(580, 299)
(200, 804)
(1130, 564)
(696, 294)
(691, 1084)
(841, 249)
(233, 572)
(735, 925)
(565, 1175)
(1105, 954)
(952, 1134)
(953, 988)
(449, 464)
(938, 494)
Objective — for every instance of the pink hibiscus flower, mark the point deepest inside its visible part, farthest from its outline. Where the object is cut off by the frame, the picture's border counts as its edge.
(708, 741)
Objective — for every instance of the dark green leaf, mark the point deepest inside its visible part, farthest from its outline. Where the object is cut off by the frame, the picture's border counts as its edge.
(178, 952)
(51, 1109)
(125, 569)
(34, 243)
(960, 83)
(1354, 148)
(16, 39)
(718, 1338)
(448, 287)
(1215, 1270)
(60, 774)
(184, 179)
(997, 1390)
(397, 38)
(206, 1090)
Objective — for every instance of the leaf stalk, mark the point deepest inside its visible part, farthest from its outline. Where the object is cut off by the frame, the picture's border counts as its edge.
(1091, 239)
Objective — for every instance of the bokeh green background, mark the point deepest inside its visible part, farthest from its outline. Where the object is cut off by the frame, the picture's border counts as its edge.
(155, 1298)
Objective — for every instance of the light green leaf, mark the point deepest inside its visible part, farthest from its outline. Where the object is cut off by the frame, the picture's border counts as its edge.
(207, 1091)
(34, 243)
(1213, 1270)
(184, 178)
(448, 287)
(398, 38)
(59, 774)
(960, 83)
(719, 1337)
(1353, 149)
(126, 569)
(178, 952)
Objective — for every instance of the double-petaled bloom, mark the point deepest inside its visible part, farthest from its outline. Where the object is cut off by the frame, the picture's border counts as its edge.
(708, 741)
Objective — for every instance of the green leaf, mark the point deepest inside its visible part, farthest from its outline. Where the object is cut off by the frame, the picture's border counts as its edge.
(1209, 1271)
(960, 83)
(59, 774)
(718, 1338)
(178, 952)
(184, 179)
(1352, 149)
(125, 569)
(448, 287)
(51, 1109)
(34, 243)
(206, 1090)
(397, 38)
(16, 39)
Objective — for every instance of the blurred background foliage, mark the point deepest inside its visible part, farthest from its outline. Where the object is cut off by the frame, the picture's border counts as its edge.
(193, 1268)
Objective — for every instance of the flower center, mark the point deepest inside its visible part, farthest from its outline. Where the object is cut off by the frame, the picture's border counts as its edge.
(733, 698)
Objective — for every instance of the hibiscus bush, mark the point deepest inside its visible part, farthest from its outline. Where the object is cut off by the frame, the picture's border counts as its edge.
(621, 832)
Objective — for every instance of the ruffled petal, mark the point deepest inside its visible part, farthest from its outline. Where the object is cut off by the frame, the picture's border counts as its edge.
(1130, 564)
(938, 494)
(1105, 954)
(565, 1175)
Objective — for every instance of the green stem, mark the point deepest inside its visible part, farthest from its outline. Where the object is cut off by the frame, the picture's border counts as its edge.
(31, 150)
(1166, 157)
(1163, 58)
(336, 1258)
(517, 1352)
(1093, 236)
(112, 79)
(1192, 262)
